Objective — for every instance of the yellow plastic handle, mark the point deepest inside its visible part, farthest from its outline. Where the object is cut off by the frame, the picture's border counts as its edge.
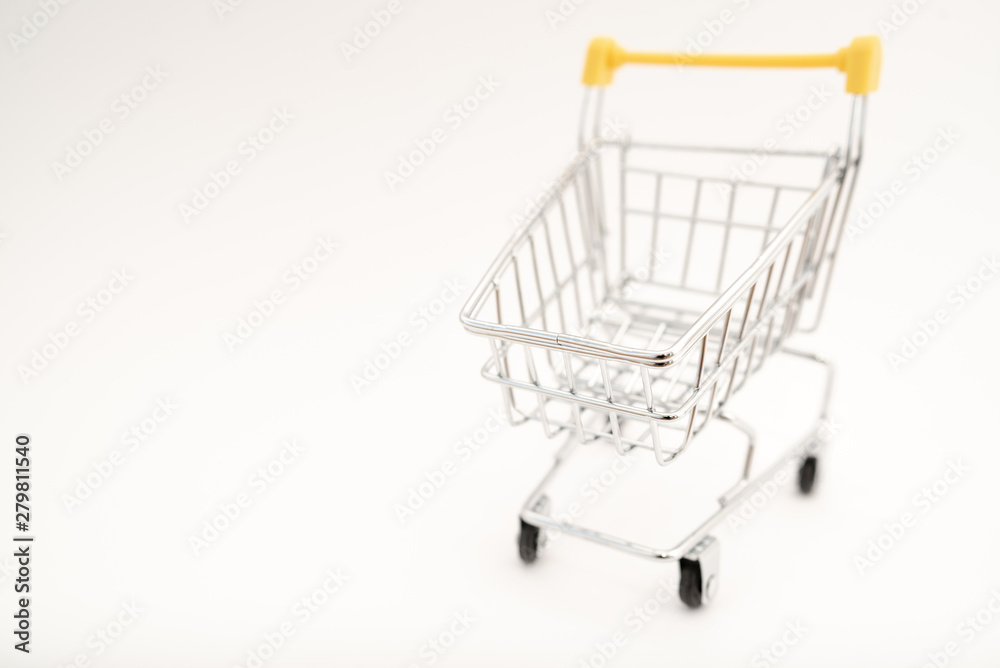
(861, 61)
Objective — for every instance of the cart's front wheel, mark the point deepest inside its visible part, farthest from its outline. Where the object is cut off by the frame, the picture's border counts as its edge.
(528, 542)
(807, 474)
(700, 573)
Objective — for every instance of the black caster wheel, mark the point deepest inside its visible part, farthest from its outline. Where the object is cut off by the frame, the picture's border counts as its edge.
(527, 543)
(532, 540)
(807, 474)
(700, 573)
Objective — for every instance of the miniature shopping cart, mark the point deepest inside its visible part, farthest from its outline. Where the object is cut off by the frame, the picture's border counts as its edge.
(643, 295)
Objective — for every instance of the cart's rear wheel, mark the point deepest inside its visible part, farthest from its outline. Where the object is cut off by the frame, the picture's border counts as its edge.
(532, 540)
(807, 474)
(528, 542)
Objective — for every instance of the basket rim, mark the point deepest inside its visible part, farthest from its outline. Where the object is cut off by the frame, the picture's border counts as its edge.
(660, 357)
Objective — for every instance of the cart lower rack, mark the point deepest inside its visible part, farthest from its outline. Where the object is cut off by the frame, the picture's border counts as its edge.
(651, 287)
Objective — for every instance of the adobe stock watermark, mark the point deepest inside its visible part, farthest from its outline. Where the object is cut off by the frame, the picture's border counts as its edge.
(462, 453)
(562, 12)
(768, 489)
(454, 117)
(132, 439)
(365, 33)
(33, 23)
(638, 617)
(57, 341)
(439, 645)
(225, 7)
(958, 298)
(247, 151)
(121, 108)
(420, 320)
(588, 494)
(611, 129)
(258, 482)
(633, 279)
(921, 504)
(712, 29)
(777, 650)
(6, 569)
(105, 637)
(899, 15)
(967, 631)
(785, 127)
(912, 170)
(304, 609)
(292, 279)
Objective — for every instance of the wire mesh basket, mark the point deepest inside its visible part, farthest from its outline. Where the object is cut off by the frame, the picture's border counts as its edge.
(650, 290)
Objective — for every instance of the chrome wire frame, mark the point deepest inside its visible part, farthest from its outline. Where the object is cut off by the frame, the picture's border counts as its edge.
(536, 512)
(567, 329)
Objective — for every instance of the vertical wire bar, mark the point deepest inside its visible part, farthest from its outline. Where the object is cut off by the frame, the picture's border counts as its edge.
(859, 109)
(701, 361)
(587, 226)
(538, 284)
(647, 387)
(680, 369)
(791, 311)
(555, 275)
(821, 255)
(766, 350)
(760, 314)
(654, 432)
(615, 339)
(598, 192)
(616, 433)
(687, 435)
(763, 295)
(607, 380)
(701, 375)
(533, 375)
(621, 206)
(739, 338)
(612, 415)
(640, 368)
(821, 231)
(718, 360)
(574, 275)
(749, 368)
(810, 266)
(656, 225)
(598, 110)
(808, 237)
(690, 240)
(770, 218)
(785, 303)
(725, 335)
(596, 188)
(568, 362)
(583, 117)
(725, 237)
(520, 298)
(496, 294)
(508, 393)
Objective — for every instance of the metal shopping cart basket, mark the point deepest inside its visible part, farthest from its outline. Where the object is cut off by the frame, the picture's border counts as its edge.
(593, 334)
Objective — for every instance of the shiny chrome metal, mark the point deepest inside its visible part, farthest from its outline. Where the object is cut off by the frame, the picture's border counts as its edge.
(809, 444)
(608, 321)
(655, 353)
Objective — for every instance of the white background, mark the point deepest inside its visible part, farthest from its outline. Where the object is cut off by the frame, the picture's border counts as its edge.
(162, 337)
